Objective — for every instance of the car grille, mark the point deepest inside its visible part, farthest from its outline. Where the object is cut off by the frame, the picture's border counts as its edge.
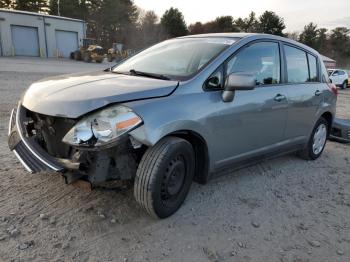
(49, 132)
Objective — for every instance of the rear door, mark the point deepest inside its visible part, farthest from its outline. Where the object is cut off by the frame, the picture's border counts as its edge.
(25, 40)
(66, 42)
(305, 92)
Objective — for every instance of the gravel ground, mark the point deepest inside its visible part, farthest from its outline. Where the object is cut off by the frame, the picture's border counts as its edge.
(285, 209)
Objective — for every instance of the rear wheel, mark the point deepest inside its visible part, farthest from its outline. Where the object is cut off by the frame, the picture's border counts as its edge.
(345, 85)
(164, 176)
(317, 141)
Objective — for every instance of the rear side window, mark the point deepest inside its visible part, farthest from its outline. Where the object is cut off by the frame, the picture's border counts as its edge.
(313, 68)
(335, 72)
(297, 66)
(260, 59)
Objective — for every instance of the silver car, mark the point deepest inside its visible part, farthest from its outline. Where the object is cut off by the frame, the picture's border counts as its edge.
(180, 111)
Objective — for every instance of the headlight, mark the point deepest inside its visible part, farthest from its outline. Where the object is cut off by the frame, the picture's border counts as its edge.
(103, 127)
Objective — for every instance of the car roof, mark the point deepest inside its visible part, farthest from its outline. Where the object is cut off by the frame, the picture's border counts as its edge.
(252, 36)
(228, 35)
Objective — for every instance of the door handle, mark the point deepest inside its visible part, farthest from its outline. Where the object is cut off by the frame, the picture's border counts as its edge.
(318, 93)
(279, 98)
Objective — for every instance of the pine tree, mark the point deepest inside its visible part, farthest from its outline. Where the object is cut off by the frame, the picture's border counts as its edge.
(270, 23)
(70, 8)
(32, 5)
(174, 23)
(8, 4)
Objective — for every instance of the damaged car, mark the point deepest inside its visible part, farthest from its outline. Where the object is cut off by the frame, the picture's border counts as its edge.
(180, 111)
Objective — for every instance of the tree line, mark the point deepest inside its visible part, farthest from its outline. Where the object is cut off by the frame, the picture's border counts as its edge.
(121, 21)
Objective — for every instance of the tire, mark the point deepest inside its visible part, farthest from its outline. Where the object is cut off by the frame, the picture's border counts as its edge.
(110, 58)
(313, 150)
(164, 176)
(99, 60)
(345, 85)
(87, 58)
(77, 56)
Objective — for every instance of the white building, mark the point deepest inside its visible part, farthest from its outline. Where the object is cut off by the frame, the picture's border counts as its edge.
(32, 34)
(329, 62)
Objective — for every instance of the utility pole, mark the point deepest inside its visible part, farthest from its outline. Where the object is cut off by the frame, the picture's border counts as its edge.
(58, 7)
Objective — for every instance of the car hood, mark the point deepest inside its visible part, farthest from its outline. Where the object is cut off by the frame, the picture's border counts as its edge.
(77, 94)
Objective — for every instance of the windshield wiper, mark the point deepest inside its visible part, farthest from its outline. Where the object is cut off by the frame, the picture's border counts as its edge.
(151, 75)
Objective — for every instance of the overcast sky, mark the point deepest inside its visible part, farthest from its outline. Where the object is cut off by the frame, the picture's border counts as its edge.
(296, 13)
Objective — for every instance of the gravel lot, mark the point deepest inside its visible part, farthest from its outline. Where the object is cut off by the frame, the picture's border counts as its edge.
(286, 209)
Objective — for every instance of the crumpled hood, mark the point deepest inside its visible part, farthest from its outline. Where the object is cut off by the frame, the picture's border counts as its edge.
(77, 94)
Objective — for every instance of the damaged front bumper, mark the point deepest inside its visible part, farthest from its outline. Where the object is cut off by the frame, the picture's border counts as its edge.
(96, 167)
(341, 130)
(32, 157)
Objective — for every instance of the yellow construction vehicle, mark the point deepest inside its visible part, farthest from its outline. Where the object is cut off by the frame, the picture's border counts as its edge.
(117, 53)
(88, 52)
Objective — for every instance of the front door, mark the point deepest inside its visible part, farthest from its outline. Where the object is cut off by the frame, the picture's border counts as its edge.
(254, 122)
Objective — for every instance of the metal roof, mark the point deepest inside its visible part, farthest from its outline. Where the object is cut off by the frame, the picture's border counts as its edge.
(327, 59)
(39, 14)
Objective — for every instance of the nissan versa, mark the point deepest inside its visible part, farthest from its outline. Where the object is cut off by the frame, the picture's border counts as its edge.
(179, 111)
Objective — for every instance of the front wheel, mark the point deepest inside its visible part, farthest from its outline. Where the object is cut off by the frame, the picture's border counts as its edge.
(109, 58)
(164, 176)
(100, 60)
(77, 56)
(317, 141)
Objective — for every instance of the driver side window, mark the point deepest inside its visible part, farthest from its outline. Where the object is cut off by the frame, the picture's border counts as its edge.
(260, 59)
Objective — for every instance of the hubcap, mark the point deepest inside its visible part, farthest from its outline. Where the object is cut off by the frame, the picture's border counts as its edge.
(173, 178)
(320, 138)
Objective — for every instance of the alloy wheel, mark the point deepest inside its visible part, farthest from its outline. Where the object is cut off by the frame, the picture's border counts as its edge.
(319, 139)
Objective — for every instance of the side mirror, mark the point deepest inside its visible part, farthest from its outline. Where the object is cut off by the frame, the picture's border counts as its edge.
(237, 81)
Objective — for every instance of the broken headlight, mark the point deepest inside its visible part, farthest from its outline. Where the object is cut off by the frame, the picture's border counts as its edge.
(103, 127)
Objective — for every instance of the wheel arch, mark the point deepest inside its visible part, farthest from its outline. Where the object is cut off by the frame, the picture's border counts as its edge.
(329, 117)
(200, 148)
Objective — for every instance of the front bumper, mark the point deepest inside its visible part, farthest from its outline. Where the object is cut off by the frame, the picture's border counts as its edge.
(341, 130)
(31, 155)
(116, 163)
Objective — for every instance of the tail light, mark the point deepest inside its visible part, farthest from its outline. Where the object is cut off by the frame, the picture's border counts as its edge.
(333, 88)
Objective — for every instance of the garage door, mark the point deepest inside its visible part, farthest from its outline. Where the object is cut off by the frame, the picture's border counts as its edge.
(25, 40)
(66, 42)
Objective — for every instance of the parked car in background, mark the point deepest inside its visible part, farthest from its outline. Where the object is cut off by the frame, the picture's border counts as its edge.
(180, 111)
(339, 77)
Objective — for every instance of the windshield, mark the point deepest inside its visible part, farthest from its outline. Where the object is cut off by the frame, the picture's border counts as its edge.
(175, 59)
